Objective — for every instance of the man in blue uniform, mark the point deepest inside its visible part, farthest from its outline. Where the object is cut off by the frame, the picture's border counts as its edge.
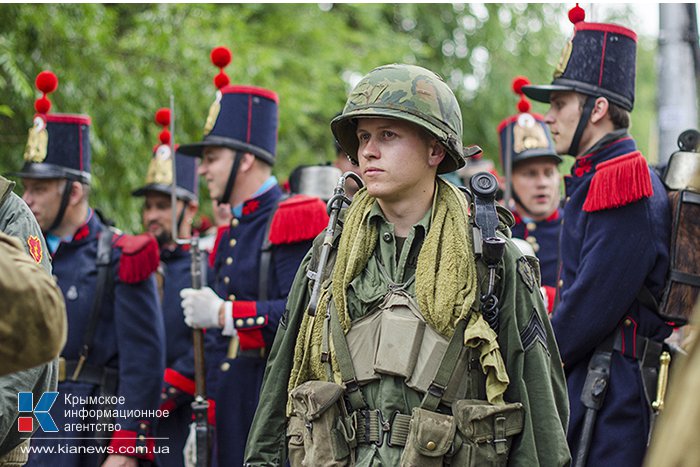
(533, 186)
(254, 260)
(614, 245)
(113, 358)
(173, 275)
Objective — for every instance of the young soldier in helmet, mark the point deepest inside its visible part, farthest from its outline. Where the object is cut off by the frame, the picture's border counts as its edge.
(174, 274)
(614, 247)
(254, 260)
(115, 340)
(395, 363)
(533, 182)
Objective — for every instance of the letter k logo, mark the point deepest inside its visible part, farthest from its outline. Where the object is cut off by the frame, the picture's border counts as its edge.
(25, 403)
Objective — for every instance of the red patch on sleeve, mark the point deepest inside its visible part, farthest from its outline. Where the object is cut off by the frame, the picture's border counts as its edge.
(35, 250)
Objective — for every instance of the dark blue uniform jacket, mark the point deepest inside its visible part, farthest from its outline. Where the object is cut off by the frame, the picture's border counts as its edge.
(236, 269)
(614, 240)
(129, 339)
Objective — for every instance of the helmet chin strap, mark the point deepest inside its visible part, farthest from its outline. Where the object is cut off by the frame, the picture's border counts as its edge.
(583, 121)
(65, 197)
(226, 196)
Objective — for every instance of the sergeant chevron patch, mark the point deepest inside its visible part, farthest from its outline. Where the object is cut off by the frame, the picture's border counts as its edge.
(534, 332)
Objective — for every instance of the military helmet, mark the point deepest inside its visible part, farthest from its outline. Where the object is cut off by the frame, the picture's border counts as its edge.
(409, 93)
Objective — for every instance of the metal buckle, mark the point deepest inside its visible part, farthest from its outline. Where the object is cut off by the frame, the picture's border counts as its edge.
(389, 425)
(352, 386)
(436, 390)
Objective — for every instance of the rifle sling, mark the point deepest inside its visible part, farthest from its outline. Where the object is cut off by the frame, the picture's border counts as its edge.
(104, 283)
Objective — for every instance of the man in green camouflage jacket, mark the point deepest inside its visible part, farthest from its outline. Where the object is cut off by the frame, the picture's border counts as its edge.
(17, 220)
(398, 365)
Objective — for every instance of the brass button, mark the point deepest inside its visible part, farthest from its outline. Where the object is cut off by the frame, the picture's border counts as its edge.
(531, 226)
(225, 366)
(232, 242)
(536, 247)
(239, 323)
(229, 260)
(234, 222)
(142, 438)
(561, 283)
(142, 426)
(231, 298)
(172, 390)
(628, 322)
(568, 198)
(163, 396)
(227, 280)
(249, 321)
(387, 237)
(260, 320)
(431, 446)
(531, 240)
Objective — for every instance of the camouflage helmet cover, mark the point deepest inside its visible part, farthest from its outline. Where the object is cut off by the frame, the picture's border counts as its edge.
(410, 93)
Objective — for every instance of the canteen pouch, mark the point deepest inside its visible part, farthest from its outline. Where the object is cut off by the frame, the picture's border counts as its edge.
(430, 437)
(318, 416)
(485, 432)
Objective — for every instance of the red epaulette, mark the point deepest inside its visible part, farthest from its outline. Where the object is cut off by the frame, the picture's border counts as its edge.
(298, 218)
(219, 233)
(619, 182)
(139, 259)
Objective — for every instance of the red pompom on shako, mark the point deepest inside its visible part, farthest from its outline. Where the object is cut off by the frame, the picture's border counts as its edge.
(163, 116)
(221, 57)
(163, 119)
(577, 14)
(518, 83)
(46, 82)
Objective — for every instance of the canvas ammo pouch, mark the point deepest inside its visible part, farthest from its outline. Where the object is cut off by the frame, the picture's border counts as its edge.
(485, 432)
(316, 433)
(430, 437)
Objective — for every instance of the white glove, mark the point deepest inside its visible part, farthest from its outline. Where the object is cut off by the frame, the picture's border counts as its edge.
(190, 450)
(201, 307)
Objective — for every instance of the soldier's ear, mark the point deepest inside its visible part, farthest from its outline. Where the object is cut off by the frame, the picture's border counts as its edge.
(600, 109)
(437, 153)
(78, 193)
(247, 162)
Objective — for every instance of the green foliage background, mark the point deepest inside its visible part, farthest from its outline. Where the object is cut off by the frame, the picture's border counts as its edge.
(119, 63)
